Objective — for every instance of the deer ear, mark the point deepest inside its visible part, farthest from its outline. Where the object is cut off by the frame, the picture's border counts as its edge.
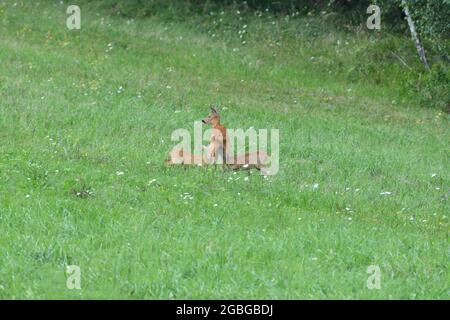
(213, 109)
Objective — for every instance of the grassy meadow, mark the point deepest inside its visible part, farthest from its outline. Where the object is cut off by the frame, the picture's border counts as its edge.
(86, 118)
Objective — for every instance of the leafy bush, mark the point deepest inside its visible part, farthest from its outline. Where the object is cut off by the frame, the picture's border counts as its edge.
(434, 87)
(432, 20)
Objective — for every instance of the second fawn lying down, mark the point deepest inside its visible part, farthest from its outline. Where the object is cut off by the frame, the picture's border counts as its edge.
(249, 160)
(181, 157)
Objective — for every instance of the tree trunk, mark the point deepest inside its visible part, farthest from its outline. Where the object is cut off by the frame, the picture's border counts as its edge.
(412, 28)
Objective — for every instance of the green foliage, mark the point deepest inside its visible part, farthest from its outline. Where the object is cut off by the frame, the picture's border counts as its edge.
(432, 19)
(378, 62)
(434, 87)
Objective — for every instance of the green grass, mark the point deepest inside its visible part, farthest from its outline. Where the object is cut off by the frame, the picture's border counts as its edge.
(308, 232)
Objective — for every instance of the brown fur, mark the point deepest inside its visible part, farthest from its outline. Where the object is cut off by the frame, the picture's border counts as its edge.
(184, 158)
(218, 142)
(242, 161)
